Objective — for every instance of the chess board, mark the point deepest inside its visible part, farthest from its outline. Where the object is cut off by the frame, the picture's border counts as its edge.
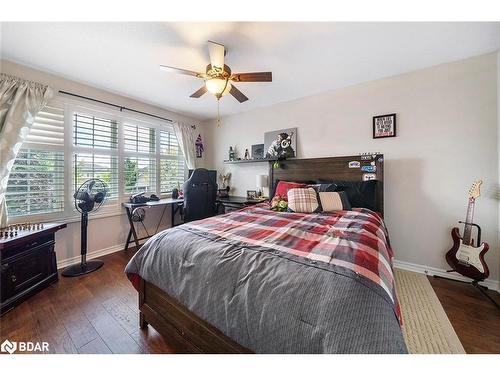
(19, 230)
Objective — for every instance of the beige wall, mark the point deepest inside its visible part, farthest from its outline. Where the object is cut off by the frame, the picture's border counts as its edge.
(105, 234)
(447, 137)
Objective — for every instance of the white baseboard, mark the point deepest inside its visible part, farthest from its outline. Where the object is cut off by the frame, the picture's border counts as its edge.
(431, 271)
(91, 255)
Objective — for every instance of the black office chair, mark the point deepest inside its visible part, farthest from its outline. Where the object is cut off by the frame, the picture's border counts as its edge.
(200, 193)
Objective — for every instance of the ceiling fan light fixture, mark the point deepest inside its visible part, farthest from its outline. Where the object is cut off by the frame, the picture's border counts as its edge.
(218, 86)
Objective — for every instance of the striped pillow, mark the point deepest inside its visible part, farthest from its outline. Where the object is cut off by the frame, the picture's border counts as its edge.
(303, 200)
(334, 201)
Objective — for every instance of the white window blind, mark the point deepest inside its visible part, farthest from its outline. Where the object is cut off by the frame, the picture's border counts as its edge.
(48, 128)
(36, 182)
(172, 163)
(139, 139)
(95, 141)
(95, 132)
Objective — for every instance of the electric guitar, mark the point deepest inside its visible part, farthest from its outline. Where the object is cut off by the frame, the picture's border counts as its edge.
(464, 257)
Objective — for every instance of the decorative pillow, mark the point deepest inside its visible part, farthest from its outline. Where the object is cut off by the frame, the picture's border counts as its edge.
(359, 193)
(324, 187)
(303, 200)
(334, 201)
(283, 187)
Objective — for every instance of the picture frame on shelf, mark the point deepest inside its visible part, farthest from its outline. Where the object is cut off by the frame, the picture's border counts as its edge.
(252, 194)
(258, 151)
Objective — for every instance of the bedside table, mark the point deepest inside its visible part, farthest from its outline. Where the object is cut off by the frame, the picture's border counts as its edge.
(233, 203)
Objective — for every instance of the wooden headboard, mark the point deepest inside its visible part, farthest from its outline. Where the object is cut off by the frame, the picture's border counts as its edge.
(330, 169)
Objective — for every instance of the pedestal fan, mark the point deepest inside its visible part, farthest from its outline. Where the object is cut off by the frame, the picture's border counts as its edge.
(89, 197)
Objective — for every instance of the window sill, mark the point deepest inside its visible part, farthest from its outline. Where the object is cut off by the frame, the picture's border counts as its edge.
(64, 219)
(115, 210)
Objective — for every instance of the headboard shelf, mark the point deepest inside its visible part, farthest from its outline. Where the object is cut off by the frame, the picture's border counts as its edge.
(330, 169)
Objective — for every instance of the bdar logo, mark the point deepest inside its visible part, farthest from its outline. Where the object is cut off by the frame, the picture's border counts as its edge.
(8, 346)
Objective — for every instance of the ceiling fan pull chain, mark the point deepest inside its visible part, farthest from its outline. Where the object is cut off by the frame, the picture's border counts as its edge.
(218, 112)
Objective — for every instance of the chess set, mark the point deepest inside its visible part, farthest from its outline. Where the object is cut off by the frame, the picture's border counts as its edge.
(14, 230)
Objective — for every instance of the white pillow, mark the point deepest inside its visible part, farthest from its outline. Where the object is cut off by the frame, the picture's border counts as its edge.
(334, 201)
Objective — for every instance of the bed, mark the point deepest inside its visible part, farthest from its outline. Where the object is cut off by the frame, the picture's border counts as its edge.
(260, 281)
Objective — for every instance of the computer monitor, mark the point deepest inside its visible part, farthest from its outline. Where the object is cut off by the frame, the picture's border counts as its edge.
(212, 174)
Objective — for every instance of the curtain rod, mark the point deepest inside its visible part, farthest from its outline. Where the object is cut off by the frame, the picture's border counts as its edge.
(114, 105)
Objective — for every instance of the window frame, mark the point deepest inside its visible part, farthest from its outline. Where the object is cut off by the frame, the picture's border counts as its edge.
(111, 207)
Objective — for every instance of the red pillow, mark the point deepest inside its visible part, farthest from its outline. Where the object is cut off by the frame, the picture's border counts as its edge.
(283, 187)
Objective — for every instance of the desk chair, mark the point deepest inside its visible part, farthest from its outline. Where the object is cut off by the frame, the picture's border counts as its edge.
(200, 193)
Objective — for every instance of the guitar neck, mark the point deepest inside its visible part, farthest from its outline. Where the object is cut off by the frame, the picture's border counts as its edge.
(468, 220)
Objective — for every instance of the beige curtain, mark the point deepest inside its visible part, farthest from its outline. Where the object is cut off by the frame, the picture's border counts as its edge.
(20, 101)
(187, 138)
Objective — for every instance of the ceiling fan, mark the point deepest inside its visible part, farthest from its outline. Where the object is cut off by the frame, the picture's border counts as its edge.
(218, 76)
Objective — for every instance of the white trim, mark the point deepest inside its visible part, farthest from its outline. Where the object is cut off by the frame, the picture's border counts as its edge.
(94, 254)
(431, 271)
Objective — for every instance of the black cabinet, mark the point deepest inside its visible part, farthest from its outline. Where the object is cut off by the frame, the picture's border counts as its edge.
(28, 264)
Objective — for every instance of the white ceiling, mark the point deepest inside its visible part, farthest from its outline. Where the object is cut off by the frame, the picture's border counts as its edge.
(305, 58)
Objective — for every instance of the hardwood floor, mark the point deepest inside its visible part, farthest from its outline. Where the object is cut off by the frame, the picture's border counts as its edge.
(475, 319)
(98, 313)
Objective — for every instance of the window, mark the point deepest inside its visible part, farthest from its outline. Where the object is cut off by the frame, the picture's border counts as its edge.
(95, 141)
(139, 166)
(172, 164)
(70, 143)
(36, 182)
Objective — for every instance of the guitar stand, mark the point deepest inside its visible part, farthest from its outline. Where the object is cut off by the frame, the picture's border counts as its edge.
(483, 290)
(475, 284)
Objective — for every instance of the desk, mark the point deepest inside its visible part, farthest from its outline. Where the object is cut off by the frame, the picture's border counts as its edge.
(175, 204)
(230, 203)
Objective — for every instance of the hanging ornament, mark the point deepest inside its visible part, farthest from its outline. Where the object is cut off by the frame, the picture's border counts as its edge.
(199, 146)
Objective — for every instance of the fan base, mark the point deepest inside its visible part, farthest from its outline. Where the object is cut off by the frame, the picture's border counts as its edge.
(82, 268)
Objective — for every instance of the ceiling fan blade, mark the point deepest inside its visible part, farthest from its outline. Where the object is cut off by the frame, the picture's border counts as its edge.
(252, 77)
(171, 69)
(238, 94)
(216, 52)
(200, 92)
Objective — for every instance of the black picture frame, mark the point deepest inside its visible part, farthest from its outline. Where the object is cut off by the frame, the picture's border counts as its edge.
(258, 151)
(251, 194)
(393, 115)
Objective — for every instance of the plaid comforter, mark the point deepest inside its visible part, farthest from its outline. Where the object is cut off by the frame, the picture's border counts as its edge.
(279, 282)
(349, 241)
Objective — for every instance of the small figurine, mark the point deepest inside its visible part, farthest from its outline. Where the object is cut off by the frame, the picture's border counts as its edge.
(247, 154)
(224, 178)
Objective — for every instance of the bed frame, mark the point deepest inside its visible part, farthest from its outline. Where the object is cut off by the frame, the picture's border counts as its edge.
(183, 330)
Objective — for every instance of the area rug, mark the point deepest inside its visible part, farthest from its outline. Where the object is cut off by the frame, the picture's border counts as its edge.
(426, 328)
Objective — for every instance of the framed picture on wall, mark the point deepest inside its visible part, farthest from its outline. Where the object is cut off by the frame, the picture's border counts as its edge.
(384, 126)
(280, 144)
